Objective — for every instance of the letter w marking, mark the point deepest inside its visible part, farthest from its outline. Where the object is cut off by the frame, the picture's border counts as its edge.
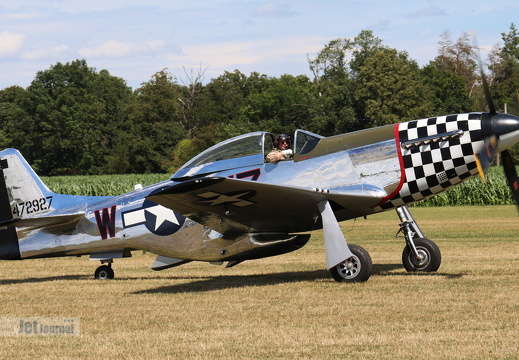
(106, 222)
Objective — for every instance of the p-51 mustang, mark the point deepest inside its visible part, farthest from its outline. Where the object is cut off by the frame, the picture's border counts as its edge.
(228, 204)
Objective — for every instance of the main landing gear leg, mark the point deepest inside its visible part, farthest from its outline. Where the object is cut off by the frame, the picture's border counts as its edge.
(420, 254)
(346, 263)
(104, 272)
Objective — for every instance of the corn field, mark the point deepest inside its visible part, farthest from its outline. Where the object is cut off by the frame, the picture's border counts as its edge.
(475, 192)
(100, 185)
(472, 192)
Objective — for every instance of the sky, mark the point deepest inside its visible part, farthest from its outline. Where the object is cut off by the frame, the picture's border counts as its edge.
(135, 39)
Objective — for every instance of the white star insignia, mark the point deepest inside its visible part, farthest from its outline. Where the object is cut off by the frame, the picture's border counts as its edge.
(162, 214)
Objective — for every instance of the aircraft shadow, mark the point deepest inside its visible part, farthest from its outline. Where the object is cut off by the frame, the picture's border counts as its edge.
(207, 284)
(212, 283)
(43, 279)
(389, 270)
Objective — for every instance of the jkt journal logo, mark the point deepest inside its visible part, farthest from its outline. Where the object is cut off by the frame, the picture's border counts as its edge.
(39, 326)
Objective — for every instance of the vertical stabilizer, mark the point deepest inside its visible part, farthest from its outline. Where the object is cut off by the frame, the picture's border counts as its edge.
(22, 192)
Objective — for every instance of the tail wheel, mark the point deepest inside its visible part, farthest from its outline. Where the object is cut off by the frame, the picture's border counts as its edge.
(358, 268)
(429, 256)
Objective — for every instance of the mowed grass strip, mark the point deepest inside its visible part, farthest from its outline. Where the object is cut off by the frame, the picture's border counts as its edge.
(288, 307)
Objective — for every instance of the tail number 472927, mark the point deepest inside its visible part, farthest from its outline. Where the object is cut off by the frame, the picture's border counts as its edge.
(33, 206)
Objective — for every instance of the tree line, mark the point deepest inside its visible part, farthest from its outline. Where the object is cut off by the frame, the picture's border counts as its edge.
(73, 119)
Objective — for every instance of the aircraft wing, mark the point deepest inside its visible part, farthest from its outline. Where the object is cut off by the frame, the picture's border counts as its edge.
(231, 205)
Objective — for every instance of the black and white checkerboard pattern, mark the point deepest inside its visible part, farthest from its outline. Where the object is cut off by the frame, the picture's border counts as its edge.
(433, 168)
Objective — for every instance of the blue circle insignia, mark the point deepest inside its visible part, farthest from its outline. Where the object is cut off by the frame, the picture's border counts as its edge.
(161, 220)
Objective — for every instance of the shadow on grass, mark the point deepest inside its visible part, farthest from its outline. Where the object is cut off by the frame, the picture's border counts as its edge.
(212, 283)
(43, 279)
(389, 270)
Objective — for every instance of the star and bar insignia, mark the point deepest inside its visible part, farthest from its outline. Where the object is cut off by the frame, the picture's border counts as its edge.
(240, 199)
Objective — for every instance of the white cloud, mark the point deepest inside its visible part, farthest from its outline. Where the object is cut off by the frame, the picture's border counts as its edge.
(45, 53)
(10, 43)
(28, 16)
(117, 49)
(246, 56)
(272, 10)
(433, 11)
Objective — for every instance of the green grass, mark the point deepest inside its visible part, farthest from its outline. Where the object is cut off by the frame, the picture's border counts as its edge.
(287, 307)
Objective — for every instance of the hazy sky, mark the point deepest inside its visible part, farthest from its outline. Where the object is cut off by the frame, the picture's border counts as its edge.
(135, 39)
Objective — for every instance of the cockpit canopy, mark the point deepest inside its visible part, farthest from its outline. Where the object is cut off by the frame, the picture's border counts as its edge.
(244, 150)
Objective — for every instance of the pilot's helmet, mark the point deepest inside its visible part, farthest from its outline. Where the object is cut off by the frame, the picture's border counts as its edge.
(282, 137)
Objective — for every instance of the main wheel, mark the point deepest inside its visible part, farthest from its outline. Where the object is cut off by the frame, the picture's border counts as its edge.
(429, 256)
(358, 268)
(104, 272)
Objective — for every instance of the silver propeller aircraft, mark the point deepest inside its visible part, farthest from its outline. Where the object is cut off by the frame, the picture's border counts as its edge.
(229, 204)
(241, 200)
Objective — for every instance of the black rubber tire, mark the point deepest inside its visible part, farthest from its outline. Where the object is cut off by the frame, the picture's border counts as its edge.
(430, 252)
(104, 272)
(355, 269)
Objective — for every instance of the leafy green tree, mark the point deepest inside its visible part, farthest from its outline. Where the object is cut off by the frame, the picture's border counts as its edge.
(458, 58)
(449, 91)
(505, 72)
(12, 111)
(71, 115)
(365, 45)
(284, 105)
(157, 125)
(333, 112)
(390, 89)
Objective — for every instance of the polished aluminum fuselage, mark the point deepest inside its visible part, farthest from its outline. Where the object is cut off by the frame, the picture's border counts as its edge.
(114, 226)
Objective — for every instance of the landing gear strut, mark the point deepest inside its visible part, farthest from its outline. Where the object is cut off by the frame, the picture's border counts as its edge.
(104, 272)
(420, 254)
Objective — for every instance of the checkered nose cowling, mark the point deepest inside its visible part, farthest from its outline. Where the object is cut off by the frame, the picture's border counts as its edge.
(436, 154)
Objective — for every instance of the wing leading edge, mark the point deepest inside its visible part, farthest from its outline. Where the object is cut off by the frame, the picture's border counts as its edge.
(236, 206)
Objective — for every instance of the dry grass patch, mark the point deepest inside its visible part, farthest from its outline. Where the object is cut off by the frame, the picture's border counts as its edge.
(288, 306)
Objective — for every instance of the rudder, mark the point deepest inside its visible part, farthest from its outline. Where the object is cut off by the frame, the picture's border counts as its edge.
(9, 248)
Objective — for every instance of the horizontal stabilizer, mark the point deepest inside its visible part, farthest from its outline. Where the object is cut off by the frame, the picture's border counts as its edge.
(43, 221)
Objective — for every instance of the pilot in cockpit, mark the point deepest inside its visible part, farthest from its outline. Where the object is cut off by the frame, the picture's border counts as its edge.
(281, 149)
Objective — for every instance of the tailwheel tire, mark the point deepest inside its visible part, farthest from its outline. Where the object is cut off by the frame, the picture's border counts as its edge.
(428, 260)
(358, 268)
(104, 272)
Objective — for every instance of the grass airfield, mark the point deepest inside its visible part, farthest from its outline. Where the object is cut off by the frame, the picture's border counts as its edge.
(287, 307)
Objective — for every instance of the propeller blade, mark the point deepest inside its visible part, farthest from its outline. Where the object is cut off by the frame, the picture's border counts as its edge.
(511, 174)
(488, 96)
(481, 172)
(487, 156)
(486, 87)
